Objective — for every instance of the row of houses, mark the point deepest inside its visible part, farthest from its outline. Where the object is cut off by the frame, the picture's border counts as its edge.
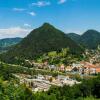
(90, 68)
(81, 68)
(84, 68)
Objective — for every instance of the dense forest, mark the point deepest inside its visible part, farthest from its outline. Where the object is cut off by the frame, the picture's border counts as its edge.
(89, 39)
(7, 43)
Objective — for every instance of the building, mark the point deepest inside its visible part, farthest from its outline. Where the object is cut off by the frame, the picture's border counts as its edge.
(68, 69)
(62, 67)
(97, 70)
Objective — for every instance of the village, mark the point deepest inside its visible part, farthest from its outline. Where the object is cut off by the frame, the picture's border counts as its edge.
(90, 66)
(43, 82)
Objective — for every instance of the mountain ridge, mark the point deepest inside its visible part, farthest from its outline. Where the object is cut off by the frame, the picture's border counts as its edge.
(7, 43)
(41, 40)
(89, 39)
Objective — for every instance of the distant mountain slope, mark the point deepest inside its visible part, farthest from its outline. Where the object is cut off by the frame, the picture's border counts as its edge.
(9, 41)
(74, 37)
(90, 39)
(41, 40)
(6, 43)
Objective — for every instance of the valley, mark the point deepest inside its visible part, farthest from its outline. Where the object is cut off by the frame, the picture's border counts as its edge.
(40, 67)
(49, 49)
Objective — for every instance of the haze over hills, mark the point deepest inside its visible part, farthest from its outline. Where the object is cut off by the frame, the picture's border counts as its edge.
(9, 41)
(41, 40)
(90, 39)
(6, 43)
(74, 37)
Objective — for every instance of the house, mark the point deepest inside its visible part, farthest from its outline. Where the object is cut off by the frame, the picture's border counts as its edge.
(65, 80)
(62, 78)
(62, 67)
(89, 68)
(97, 70)
(48, 77)
(68, 69)
(45, 63)
(52, 67)
(81, 70)
(41, 77)
(77, 65)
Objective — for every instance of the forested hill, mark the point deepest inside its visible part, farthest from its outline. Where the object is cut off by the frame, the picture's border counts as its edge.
(6, 43)
(9, 41)
(89, 39)
(74, 37)
(41, 40)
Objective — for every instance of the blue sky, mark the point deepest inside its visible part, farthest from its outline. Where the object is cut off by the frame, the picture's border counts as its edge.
(19, 17)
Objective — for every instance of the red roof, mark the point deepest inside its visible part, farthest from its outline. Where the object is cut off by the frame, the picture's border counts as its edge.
(89, 65)
(98, 69)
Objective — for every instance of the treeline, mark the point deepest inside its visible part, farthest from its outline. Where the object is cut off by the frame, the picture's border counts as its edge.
(10, 89)
(63, 56)
(7, 70)
(88, 90)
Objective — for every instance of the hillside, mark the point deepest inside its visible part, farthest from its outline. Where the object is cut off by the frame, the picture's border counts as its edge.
(90, 39)
(74, 37)
(41, 40)
(6, 43)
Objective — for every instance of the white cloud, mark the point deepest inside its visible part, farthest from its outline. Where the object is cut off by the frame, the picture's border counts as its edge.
(19, 9)
(32, 13)
(41, 3)
(62, 1)
(27, 25)
(14, 32)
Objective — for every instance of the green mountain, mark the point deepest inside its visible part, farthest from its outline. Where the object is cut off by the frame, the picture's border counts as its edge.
(41, 40)
(6, 43)
(74, 37)
(90, 39)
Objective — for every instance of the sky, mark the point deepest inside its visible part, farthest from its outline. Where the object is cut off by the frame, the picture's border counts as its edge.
(19, 17)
